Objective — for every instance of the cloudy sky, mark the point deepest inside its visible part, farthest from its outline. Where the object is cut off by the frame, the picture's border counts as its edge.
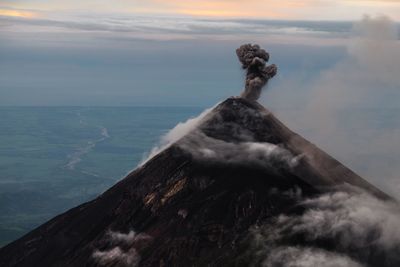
(157, 52)
(338, 61)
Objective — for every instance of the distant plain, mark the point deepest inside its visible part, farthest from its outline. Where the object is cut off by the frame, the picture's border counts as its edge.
(54, 158)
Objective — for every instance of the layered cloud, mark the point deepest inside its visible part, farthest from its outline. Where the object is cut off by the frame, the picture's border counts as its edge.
(185, 27)
(271, 9)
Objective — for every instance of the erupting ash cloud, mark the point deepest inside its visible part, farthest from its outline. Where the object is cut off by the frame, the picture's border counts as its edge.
(254, 60)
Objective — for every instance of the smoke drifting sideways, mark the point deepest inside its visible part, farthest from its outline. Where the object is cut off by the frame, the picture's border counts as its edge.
(344, 228)
(349, 109)
(176, 133)
(254, 60)
(245, 152)
(240, 147)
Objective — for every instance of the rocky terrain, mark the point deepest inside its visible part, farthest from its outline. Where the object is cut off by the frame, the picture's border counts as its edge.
(209, 199)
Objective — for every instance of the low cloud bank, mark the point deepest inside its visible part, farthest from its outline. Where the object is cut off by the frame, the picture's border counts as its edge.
(211, 139)
(307, 257)
(117, 256)
(344, 228)
(212, 150)
(122, 249)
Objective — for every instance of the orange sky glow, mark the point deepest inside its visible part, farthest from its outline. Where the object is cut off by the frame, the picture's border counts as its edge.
(17, 13)
(260, 9)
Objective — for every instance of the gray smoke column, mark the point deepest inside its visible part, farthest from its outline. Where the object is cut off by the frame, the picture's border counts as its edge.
(254, 60)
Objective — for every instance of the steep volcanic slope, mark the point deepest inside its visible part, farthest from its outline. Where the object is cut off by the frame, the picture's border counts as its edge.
(200, 202)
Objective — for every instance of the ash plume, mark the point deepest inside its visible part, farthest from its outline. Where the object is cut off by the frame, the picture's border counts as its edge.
(254, 60)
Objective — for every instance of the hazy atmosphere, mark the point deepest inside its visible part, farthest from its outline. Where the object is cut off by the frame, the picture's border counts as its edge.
(337, 72)
(88, 89)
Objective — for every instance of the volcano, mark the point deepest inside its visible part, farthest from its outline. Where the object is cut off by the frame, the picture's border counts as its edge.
(212, 198)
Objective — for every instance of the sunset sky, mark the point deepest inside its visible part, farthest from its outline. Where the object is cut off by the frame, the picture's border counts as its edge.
(264, 9)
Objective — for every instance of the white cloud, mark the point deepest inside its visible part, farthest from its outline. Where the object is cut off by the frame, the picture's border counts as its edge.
(307, 257)
(160, 27)
(122, 249)
(176, 133)
(361, 227)
(351, 217)
(212, 150)
(115, 255)
(241, 147)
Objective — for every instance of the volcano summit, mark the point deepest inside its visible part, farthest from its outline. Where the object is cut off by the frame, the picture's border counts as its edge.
(239, 189)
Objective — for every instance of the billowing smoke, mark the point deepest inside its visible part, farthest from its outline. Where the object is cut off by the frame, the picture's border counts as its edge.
(368, 77)
(254, 60)
(342, 228)
(363, 89)
(122, 249)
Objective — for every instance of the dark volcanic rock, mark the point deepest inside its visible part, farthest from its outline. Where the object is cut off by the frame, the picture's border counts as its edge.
(189, 208)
